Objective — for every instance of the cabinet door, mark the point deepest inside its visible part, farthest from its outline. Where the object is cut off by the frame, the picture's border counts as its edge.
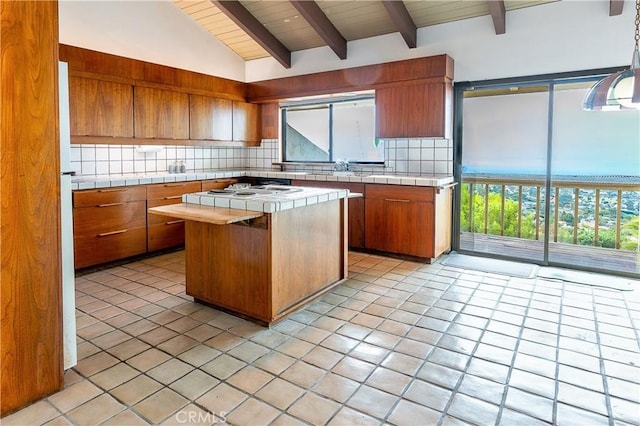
(161, 114)
(411, 111)
(210, 118)
(270, 119)
(100, 108)
(246, 122)
(399, 226)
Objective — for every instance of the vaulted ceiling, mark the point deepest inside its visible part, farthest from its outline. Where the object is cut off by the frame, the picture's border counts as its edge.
(260, 28)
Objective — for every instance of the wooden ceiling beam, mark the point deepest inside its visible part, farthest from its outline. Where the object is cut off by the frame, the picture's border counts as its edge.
(615, 7)
(312, 13)
(245, 20)
(403, 21)
(498, 15)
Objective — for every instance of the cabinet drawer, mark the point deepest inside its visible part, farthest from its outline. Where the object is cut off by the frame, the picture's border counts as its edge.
(121, 194)
(173, 190)
(399, 193)
(165, 235)
(208, 185)
(92, 249)
(106, 219)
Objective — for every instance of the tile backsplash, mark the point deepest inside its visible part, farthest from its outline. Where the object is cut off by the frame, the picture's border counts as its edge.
(402, 156)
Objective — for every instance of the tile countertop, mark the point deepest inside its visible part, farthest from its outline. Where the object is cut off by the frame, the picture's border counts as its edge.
(267, 203)
(86, 182)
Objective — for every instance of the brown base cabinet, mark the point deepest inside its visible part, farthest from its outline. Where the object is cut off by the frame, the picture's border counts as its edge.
(164, 232)
(408, 220)
(109, 224)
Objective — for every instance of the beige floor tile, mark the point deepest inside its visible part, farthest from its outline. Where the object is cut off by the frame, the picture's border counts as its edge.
(114, 376)
(224, 341)
(416, 349)
(274, 362)
(303, 374)
(127, 418)
(313, 335)
(372, 401)
(483, 389)
(428, 395)
(340, 343)
(86, 349)
(96, 411)
(59, 421)
(199, 355)
(353, 368)
(160, 405)
(127, 349)
(402, 363)
(248, 351)
(170, 371)
(287, 420)
(203, 332)
(250, 379)
(96, 363)
(439, 375)
(148, 359)
(223, 366)
(409, 413)
(473, 410)
(370, 353)
(71, 377)
(136, 390)
(388, 381)
(35, 414)
(314, 409)
(336, 387)
(221, 399)
(194, 384)
(322, 357)
(157, 336)
(295, 347)
(178, 344)
(193, 415)
(349, 416)
(280, 393)
(252, 411)
(139, 327)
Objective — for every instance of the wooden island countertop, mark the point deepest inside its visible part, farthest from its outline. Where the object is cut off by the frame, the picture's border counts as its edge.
(213, 215)
(265, 255)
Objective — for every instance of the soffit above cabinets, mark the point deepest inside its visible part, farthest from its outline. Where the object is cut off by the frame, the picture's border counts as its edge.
(298, 25)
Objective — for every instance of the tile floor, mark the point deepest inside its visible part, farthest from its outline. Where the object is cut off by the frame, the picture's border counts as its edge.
(400, 343)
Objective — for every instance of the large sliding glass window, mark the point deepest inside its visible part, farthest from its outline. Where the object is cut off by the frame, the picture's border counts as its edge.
(522, 140)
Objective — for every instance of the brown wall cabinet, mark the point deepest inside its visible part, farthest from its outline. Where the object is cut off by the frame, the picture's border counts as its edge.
(100, 108)
(356, 207)
(420, 110)
(109, 224)
(164, 232)
(246, 122)
(160, 114)
(210, 118)
(270, 120)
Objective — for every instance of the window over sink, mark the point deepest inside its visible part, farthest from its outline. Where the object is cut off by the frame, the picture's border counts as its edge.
(341, 127)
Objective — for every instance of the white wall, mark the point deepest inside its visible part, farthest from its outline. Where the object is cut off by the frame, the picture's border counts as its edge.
(153, 31)
(568, 35)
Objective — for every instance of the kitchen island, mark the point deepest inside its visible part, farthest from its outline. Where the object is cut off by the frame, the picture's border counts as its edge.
(263, 253)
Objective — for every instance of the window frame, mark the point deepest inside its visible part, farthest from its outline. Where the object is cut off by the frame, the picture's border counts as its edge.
(329, 103)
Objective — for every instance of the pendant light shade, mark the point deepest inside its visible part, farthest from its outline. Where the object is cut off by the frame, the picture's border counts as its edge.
(622, 89)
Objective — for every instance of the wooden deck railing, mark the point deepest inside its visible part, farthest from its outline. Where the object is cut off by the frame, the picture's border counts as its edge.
(484, 185)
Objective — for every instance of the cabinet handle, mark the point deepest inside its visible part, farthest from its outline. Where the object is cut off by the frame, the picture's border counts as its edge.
(110, 204)
(106, 234)
(173, 222)
(174, 197)
(396, 200)
(169, 185)
(113, 190)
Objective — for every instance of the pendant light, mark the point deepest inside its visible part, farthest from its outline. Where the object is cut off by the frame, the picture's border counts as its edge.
(622, 89)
